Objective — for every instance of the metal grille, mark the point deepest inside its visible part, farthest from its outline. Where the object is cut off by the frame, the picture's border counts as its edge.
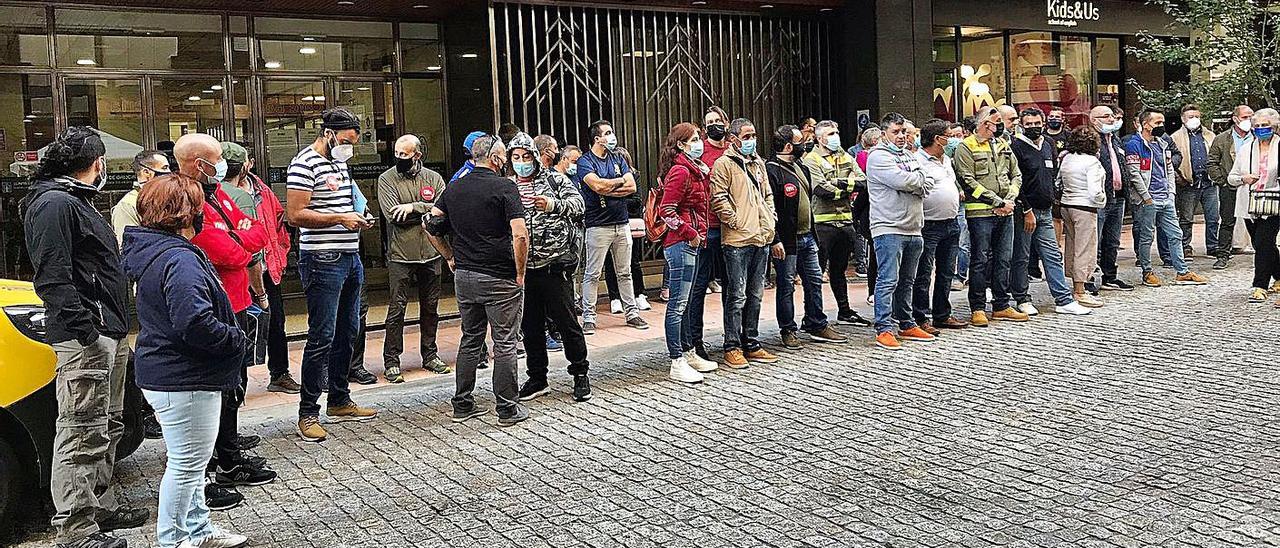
(560, 68)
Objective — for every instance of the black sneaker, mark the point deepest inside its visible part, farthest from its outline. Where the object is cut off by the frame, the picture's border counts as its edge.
(245, 443)
(243, 473)
(151, 428)
(1116, 284)
(1221, 263)
(638, 323)
(520, 415)
(589, 328)
(285, 384)
(852, 318)
(581, 388)
(97, 540)
(220, 497)
(124, 518)
(534, 389)
(701, 351)
(362, 376)
(462, 416)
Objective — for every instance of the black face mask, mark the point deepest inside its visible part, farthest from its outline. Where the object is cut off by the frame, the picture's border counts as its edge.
(807, 147)
(1032, 133)
(1054, 124)
(406, 166)
(716, 132)
(1157, 131)
(999, 131)
(197, 222)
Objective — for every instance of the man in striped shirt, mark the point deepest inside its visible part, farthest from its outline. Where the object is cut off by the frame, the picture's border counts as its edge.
(322, 203)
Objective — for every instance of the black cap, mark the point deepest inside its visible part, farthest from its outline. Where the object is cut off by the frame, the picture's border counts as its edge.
(338, 119)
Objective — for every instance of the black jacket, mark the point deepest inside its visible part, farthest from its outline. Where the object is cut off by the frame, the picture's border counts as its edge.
(188, 338)
(77, 265)
(787, 186)
(1039, 167)
(1105, 154)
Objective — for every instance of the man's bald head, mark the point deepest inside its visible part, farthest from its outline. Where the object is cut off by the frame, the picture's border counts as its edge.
(1008, 115)
(191, 149)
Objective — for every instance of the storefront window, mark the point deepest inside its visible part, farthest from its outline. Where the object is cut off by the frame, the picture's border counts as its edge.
(242, 118)
(424, 117)
(291, 119)
(420, 44)
(24, 41)
(1052, 71)
(26, 121)
(114, 107)
(138, 40)
(188, 106)
(239, 27)
(944, 72)
(981, 72)
(373, 103)
(1110, 78)
(327, 46)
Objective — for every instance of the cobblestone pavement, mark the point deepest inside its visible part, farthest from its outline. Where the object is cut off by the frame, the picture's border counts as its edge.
(1150, 423)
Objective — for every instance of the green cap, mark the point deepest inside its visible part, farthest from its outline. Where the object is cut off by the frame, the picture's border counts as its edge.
(234, 153)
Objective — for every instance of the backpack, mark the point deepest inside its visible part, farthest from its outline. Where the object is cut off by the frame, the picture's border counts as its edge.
(655, 228)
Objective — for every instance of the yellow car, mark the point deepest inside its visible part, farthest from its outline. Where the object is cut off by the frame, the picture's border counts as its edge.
(28, 405)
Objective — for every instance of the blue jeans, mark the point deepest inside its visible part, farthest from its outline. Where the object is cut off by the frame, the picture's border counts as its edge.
(744, 269)
(1162, 216)
(709, 260)
(806, 259)
(990, 252)
(962, 250)
(1110, 225)
(682, 268)
(332, 283)
(1187, 200)
(897, 260)
(941, 244)
(1045, 243)
(189, 421)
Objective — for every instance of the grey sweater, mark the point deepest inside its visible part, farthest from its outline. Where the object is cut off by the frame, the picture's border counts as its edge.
(896, 187)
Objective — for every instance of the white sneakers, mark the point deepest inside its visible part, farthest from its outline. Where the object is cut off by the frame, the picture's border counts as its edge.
(681, 371)
(1028, 309)
(698, 364)
(615, 306)
(219, 539)
(1073, 308)
(642, 302)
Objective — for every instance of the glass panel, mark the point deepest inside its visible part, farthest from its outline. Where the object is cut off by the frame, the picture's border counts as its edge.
(303, 44)
(981, 69)
(1052, 71)
(188, 106)
(291, 118)
(420, 43)
(372, 103)
(24, 40)
(26, 126)
(944, 45)
(424, 117)
(239, 42)
(1110, 79)
(139, 40)
(242, 119)
(944, 95)
(114, 107)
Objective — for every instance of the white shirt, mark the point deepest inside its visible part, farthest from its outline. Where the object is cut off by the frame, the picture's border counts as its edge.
(943, 202)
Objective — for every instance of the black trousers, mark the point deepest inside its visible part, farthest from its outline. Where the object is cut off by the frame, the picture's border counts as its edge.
(1266, 258)
(838, 243)
(224, 446)
(277, 347)
(357, 342)
(548, 295)
(1227, 220)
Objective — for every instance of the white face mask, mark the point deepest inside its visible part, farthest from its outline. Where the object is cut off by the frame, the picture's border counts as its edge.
(1193, 123)
(1245, 125)
(341, 152)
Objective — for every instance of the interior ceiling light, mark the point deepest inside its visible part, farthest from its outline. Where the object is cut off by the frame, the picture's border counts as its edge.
(272, 64)
(433, 67)
(419, 6)
(362, 89)
(469, 56)
(85, 62)
(766, 6)
(699, 2)
(193, 98)
(308, 50)
(346, 3)
(216, 87)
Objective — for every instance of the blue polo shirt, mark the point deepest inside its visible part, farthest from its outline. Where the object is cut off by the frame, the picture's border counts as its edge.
(602, 210)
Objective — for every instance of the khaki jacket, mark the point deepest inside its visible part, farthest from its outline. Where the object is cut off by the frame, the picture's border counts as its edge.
(988, 173)
(407, 240)
(834, 180)
(745, 207)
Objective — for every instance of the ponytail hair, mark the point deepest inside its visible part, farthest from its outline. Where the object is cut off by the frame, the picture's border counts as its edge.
(71, 152)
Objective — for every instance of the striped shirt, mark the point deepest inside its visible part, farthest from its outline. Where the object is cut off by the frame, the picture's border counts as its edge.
(330, 185)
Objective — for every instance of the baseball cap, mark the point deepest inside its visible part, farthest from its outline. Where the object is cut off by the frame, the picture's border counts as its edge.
(471, 140)
(234, 153)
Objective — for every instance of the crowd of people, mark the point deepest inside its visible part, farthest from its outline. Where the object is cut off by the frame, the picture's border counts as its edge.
(527, 227)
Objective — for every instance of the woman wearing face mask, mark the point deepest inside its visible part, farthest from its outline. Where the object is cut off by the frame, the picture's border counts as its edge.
(189, 348)
(1082, 194)
(685, 213)
(1256, 171)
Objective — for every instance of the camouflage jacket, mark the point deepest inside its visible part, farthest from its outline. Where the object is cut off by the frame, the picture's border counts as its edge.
(555, 237)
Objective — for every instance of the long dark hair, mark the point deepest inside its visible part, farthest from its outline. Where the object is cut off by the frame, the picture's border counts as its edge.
(71, 152)
(671, 148)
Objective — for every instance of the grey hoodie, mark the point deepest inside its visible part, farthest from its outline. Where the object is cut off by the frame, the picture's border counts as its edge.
(896, 187)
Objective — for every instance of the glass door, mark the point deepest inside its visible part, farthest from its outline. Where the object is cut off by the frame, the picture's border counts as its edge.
(290, 119)
(373, 101)
(113, 106)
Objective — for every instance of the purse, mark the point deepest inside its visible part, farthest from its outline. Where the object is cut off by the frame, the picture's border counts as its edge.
(1262, 202)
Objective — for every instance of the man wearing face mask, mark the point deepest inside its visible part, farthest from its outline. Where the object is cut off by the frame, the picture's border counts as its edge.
(837, 180)
(77, 265)
(146, 165)
(1155, 194)
(470, 164)
(742, 198)
(1055, 128)
(794, 239)
(1194, 186)
(406, 193)
(322, 203)
(1120, 176)
(1222, 155)
(605, 180)
(1009, 117)
(988, 172)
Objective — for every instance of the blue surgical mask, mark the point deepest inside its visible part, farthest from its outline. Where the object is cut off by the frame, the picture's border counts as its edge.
(695, 150)
(523, 169)
(220, 170)
(1113, 127)
(917, 141)
(748, 147)
(1263, 133)
(573, 170)
(611, 142)
(892, 146)
(952, 143)
(833, 142)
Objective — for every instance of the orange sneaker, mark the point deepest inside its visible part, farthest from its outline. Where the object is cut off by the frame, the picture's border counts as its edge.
(979, 319)
(915, 334)
(733, 359)
(1190, 278)
(1010, 315)
(888, 341)
(761, 355)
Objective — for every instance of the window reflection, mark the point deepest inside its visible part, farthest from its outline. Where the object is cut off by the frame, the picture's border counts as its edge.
(138, 40)
(114, 107)
(188, 106)
(23, 38)
(1052, 72)
(309, 45)
(981, 69)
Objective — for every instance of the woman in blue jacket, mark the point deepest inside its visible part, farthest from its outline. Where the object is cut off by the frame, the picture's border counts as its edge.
(188, 351)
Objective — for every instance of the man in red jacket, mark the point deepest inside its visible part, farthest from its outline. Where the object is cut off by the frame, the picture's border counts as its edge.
(230, 239)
